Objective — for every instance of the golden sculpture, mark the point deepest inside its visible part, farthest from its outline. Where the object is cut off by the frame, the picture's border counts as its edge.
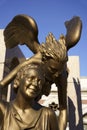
(52, 55)
(24, 112)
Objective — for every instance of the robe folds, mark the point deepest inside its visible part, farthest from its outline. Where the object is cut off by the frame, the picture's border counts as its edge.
(42, 119)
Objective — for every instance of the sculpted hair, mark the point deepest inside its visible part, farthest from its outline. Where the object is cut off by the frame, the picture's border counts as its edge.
(54, 49)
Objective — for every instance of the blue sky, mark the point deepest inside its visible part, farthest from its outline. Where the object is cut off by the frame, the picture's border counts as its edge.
(50, 16)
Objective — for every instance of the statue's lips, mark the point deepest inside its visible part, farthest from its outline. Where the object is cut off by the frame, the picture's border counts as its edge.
(32, 88)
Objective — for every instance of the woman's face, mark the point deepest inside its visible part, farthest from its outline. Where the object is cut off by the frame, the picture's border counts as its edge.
(53, 69)
(31, 84)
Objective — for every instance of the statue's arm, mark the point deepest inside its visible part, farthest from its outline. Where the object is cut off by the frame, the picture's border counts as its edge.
(8, 79)
(62, 97)
(53, 120)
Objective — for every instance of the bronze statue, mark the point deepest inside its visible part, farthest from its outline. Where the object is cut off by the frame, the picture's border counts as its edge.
(24, 113)
(52, 54)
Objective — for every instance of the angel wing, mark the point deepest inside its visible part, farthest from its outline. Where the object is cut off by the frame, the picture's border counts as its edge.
(22, 30)
(74, 28)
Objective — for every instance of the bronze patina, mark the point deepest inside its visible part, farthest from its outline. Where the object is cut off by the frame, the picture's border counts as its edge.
(52, 56)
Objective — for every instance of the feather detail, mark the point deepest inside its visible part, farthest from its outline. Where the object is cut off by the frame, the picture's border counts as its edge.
(22, 30)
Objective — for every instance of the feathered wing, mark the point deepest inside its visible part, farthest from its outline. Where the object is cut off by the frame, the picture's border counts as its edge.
(74, 29)
(22, 30)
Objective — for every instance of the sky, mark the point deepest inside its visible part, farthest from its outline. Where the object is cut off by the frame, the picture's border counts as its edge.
(50, 16)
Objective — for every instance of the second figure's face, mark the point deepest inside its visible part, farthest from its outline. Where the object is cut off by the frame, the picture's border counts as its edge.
(31, 84)
(53, 69)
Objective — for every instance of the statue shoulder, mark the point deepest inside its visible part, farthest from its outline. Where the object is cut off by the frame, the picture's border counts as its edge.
(3, 105)
(51, 118)
(49, 111)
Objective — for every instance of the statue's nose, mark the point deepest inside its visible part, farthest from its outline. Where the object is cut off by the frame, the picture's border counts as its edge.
(35, 82)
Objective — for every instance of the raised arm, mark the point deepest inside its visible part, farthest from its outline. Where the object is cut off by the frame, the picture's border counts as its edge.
(22, 29)
(8, 79)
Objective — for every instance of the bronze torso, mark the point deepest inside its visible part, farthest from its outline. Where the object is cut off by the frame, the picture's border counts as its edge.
(13, 121)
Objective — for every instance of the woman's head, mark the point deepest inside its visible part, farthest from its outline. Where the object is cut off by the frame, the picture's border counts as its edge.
(31, 72)
(54, 55)
(26, 73)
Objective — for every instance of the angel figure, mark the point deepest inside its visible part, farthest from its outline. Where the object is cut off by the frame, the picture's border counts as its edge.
(53, 54)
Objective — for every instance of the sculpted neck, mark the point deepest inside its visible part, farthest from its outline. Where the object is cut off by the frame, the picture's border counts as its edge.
(23, 103)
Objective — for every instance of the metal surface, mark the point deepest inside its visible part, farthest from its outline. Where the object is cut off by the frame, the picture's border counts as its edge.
(51, 55)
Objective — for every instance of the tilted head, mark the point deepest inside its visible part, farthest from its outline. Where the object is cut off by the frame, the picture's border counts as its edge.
(53, 49)
(32, 74)
(54, 54)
